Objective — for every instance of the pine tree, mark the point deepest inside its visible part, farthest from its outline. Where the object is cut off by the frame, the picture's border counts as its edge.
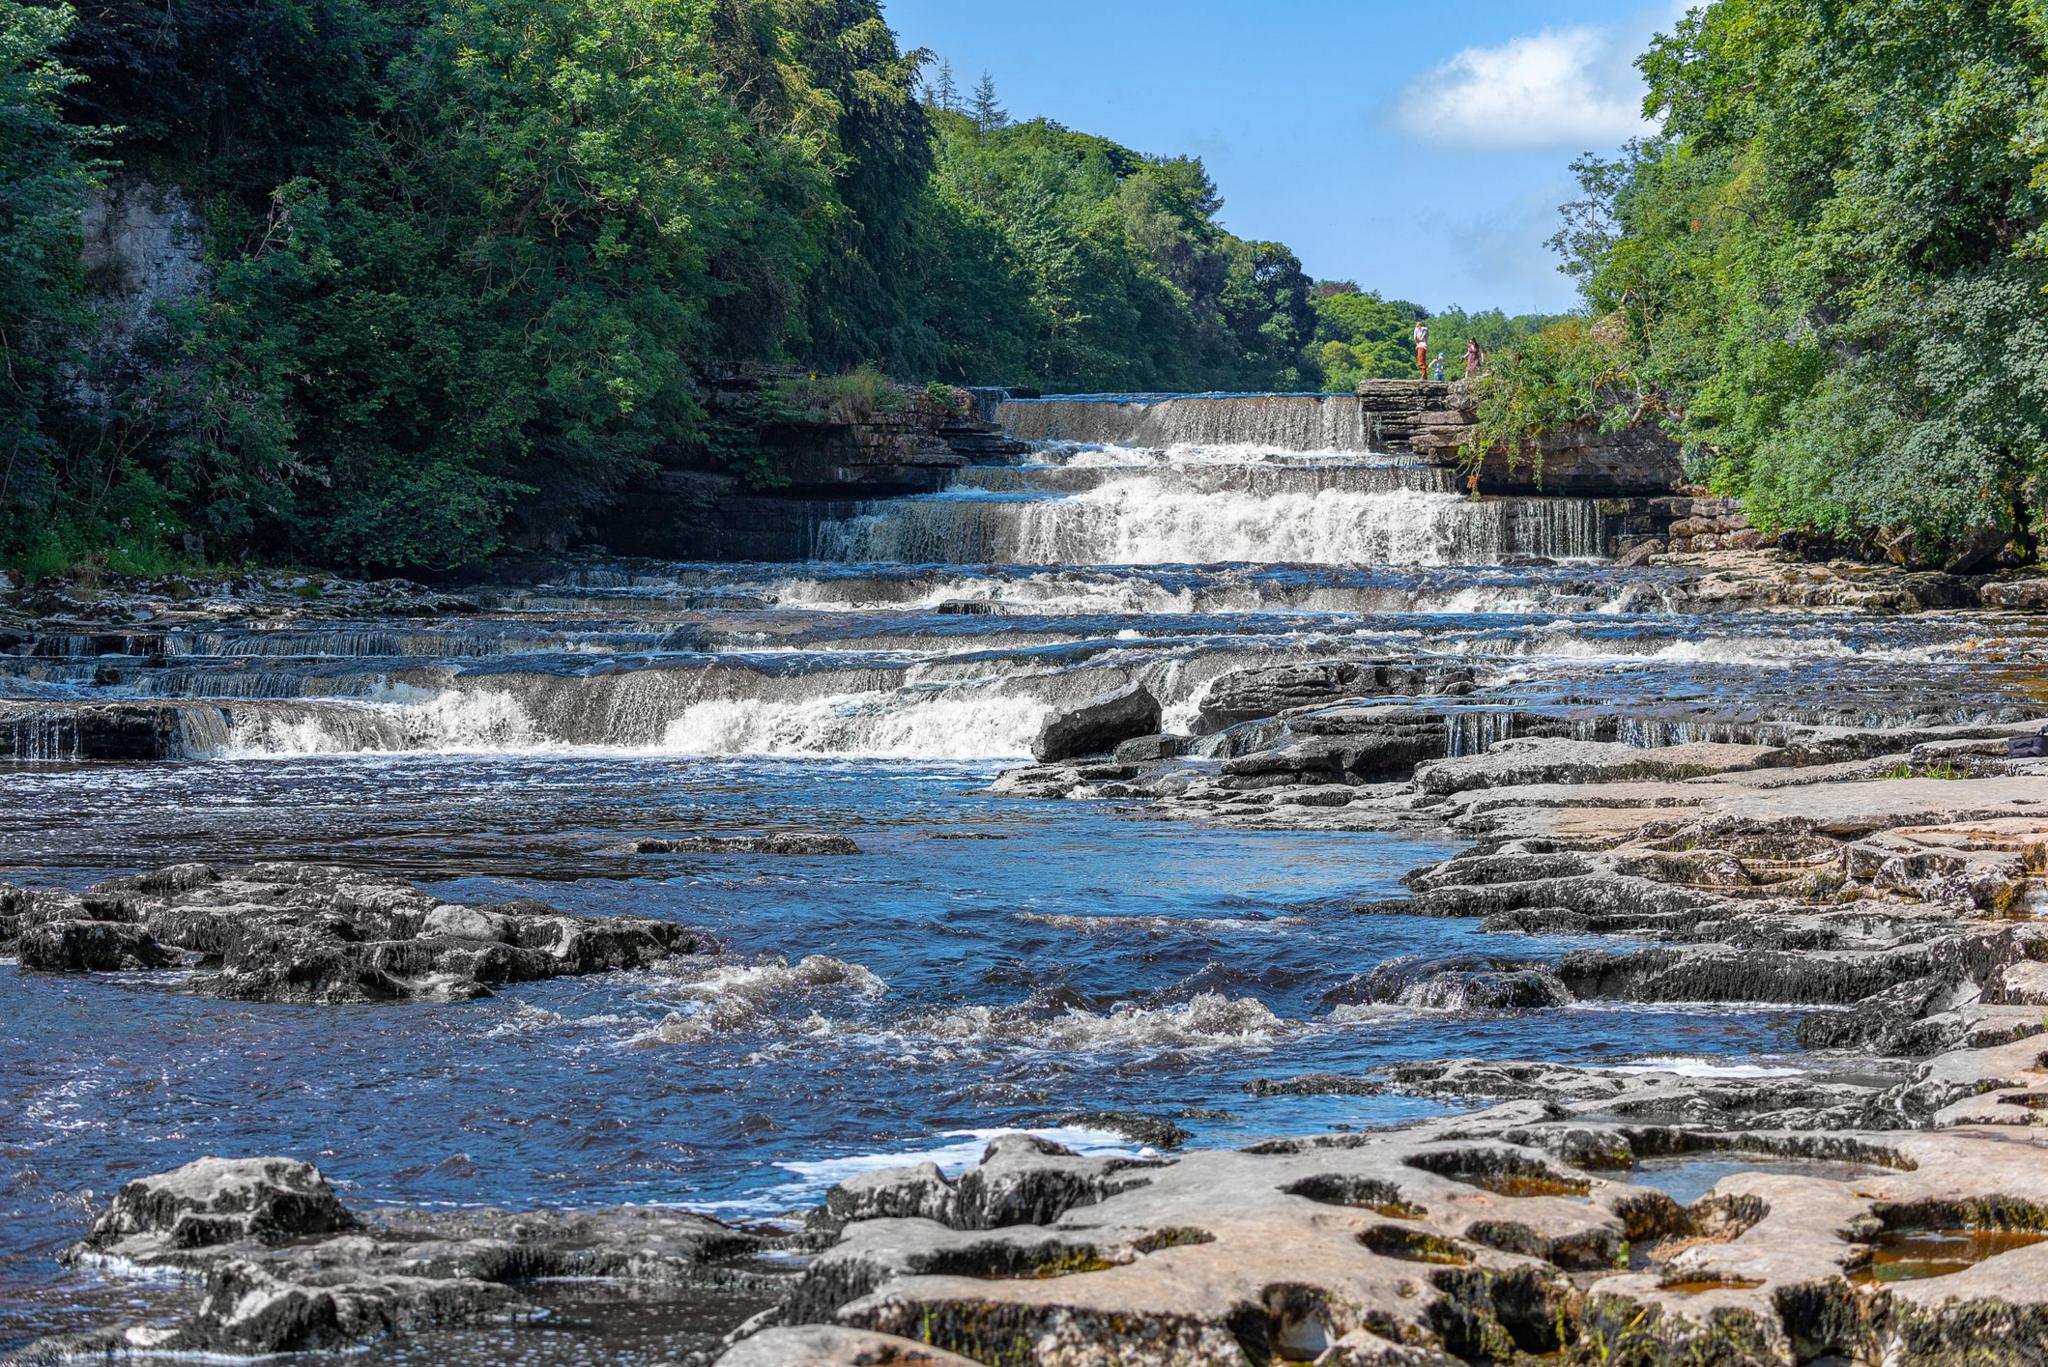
(945, 95)
(987, 113)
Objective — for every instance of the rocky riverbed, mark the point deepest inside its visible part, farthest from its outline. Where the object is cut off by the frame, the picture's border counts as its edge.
(1895, 879)
(1116, 954)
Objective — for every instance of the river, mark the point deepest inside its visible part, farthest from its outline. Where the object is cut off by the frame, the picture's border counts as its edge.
(984, 962)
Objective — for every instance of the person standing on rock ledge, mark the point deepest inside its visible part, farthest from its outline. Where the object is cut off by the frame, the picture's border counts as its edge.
(1474, 358)
(1436, 368)
(1421, 349)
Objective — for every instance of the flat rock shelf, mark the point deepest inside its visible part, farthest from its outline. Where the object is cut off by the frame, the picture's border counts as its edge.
(1200, 890)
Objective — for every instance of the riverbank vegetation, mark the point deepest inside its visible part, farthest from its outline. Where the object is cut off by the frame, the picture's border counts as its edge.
(1830, 266)
(468, 262)
(1361, 336)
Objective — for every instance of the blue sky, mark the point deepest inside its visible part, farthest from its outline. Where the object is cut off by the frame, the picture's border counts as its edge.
(1421, 150)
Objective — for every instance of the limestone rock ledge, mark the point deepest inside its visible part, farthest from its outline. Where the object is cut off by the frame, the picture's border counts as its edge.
(320, 934)
(277, 1264)
(1503, 1237)
(1889, 1206)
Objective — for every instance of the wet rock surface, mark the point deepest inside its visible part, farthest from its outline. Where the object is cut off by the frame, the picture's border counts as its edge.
(1884, 1209)
(272, 1261)
(1099, 725)
(1876, 1203)
(320, 934)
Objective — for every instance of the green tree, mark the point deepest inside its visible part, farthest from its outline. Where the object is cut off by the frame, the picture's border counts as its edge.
(1829, 263)
(44, 175)
(987, 111)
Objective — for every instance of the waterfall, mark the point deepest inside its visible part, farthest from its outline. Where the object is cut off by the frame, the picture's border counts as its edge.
(976, 710)
(1148, 519)
(1476, 731)
(42, 738)
(1273, 422)
(1274, 479)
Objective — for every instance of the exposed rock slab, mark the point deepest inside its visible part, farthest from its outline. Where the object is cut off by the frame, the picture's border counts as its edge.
(278, 1264)
(323, 934)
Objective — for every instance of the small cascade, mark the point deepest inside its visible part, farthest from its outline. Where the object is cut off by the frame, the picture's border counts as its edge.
(1274, 422)
(42, 737)
(1476, 732)
(1656, 733)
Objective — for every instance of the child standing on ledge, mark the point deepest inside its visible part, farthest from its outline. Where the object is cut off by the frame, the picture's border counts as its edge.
(1421, 349)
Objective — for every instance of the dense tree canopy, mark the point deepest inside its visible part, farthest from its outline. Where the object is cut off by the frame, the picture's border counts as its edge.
(43, 180)
(1830, 263)
(471, 259)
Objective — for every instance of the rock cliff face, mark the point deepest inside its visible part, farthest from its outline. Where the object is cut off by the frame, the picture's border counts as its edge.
(144, 247)
(1435, 421)
(829, 460)
(1701, 523)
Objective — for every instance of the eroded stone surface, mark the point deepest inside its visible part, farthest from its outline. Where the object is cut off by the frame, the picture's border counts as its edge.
(320, 933)
(276, 1263)
(1893, 879)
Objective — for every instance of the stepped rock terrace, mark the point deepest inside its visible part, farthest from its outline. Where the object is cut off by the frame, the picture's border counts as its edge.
(1201, 887)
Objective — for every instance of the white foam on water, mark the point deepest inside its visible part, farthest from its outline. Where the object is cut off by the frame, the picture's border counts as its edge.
(1151, 521)
(962, 1152)
(1562, 641)
(867, 725)
(452, 721)
(1092, 456)
(1155, 925)
(724, 998)
(1700, 1067)
(1209, 1020)
(1107, 589)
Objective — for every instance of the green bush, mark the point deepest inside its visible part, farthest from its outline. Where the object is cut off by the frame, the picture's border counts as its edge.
(1573, 373)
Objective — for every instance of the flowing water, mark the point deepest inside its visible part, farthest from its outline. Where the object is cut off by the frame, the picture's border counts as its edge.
(984, 962)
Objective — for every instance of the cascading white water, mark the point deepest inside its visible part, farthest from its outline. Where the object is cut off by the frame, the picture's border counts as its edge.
(1150, 518)
(986, 712)
(1208, 480)
(1271, 422)
(41, 738)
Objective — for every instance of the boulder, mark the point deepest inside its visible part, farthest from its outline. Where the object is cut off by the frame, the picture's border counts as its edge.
(2027, 594)
(214, 1201)
(1145, 749)
(1249, 694)
(1098, 725)
(89, 947)
(831, 1345)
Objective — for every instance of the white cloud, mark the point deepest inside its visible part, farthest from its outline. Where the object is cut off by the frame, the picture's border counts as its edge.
(1566, 87)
